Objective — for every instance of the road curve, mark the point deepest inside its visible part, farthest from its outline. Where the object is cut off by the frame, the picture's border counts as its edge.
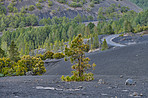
(110, 42)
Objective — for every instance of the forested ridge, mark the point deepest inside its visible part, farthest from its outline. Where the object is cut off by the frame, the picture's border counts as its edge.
(24, 32)
(141, 3)
(55, 31)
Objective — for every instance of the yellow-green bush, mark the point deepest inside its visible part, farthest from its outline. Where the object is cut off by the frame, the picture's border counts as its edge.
(27, 63)
(41, 56)
(85, 77)
(36, 65)
(49, 55)
(7, 66)
(58, 55)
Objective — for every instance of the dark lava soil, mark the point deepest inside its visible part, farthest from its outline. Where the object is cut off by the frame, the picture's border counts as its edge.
(130, 61)
(103, 86)
(128, 40)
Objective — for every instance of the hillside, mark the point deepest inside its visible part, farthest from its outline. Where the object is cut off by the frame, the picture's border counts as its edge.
(70, 9)
(141, 3)
(130, 61)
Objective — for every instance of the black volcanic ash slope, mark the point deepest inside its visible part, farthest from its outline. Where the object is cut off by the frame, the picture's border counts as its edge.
(129, 60)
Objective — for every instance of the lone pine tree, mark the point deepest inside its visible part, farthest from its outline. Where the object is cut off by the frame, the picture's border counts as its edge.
(104, 45)
(76, 53)
(13, 52)
(2, 53)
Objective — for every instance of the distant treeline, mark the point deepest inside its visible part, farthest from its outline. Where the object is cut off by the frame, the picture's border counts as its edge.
(55, 31)
(141, 3)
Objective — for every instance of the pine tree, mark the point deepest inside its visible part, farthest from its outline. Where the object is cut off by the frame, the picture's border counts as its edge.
(13, 52)
(64, 35)
(70, 32)
(104, 45)
(51, 46)
(96, 41)
(56, 46)
(26, 49)
(76, 54)
(2, 53)
(128, 27)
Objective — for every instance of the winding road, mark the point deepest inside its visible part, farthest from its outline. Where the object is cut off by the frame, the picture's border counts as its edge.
(110, 42)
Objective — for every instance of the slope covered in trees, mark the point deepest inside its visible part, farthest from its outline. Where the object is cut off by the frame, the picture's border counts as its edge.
(54, 32)
(141, 3)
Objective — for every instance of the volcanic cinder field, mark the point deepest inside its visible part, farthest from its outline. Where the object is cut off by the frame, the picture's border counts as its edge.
(114, 67)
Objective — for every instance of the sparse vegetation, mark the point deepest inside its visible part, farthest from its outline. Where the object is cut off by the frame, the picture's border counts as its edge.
(104, 45)
(39, 6)
(76, 54)
(31, 32)
(31, 8)
(141, 3)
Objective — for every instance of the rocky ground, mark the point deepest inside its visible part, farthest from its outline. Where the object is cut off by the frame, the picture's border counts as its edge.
(50, 86)
(114, 67)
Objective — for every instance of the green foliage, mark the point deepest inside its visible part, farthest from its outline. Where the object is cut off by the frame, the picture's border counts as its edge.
(61, 1)
(58, 55)
(31, 8)
(33, 64)
(10, 7)
(52, 31)
(2, 10)
(141, 3)
(13, 52)
(107, 29)
(41, 56)
(40, 1)
(76, 54)
(104, 45)
(91, 25)
(2, 53)
(7, 66)
(128, 27)
(39, 6)
(50, 3)
(49, 55)
(91, 4)
(75, 4)
(124, 9)
(95, 44)
(27, 63)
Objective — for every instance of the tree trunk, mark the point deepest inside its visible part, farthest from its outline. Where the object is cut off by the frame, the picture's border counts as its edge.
(79, 66)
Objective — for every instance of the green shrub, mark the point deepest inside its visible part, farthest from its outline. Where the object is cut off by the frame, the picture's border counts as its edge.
(31, 8)
(121, 35)
(50, 3)
(40, 1)
(53, 11)
(104, 45)
(74, 4)
(61, 1)
(39, 6)
(2, 10)
(49, 55)
(91, 4)
(58, 55)
(41, 56)
(14, 1)
(76, 54)
(33, 64)
(7, 66)
(10, 7)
